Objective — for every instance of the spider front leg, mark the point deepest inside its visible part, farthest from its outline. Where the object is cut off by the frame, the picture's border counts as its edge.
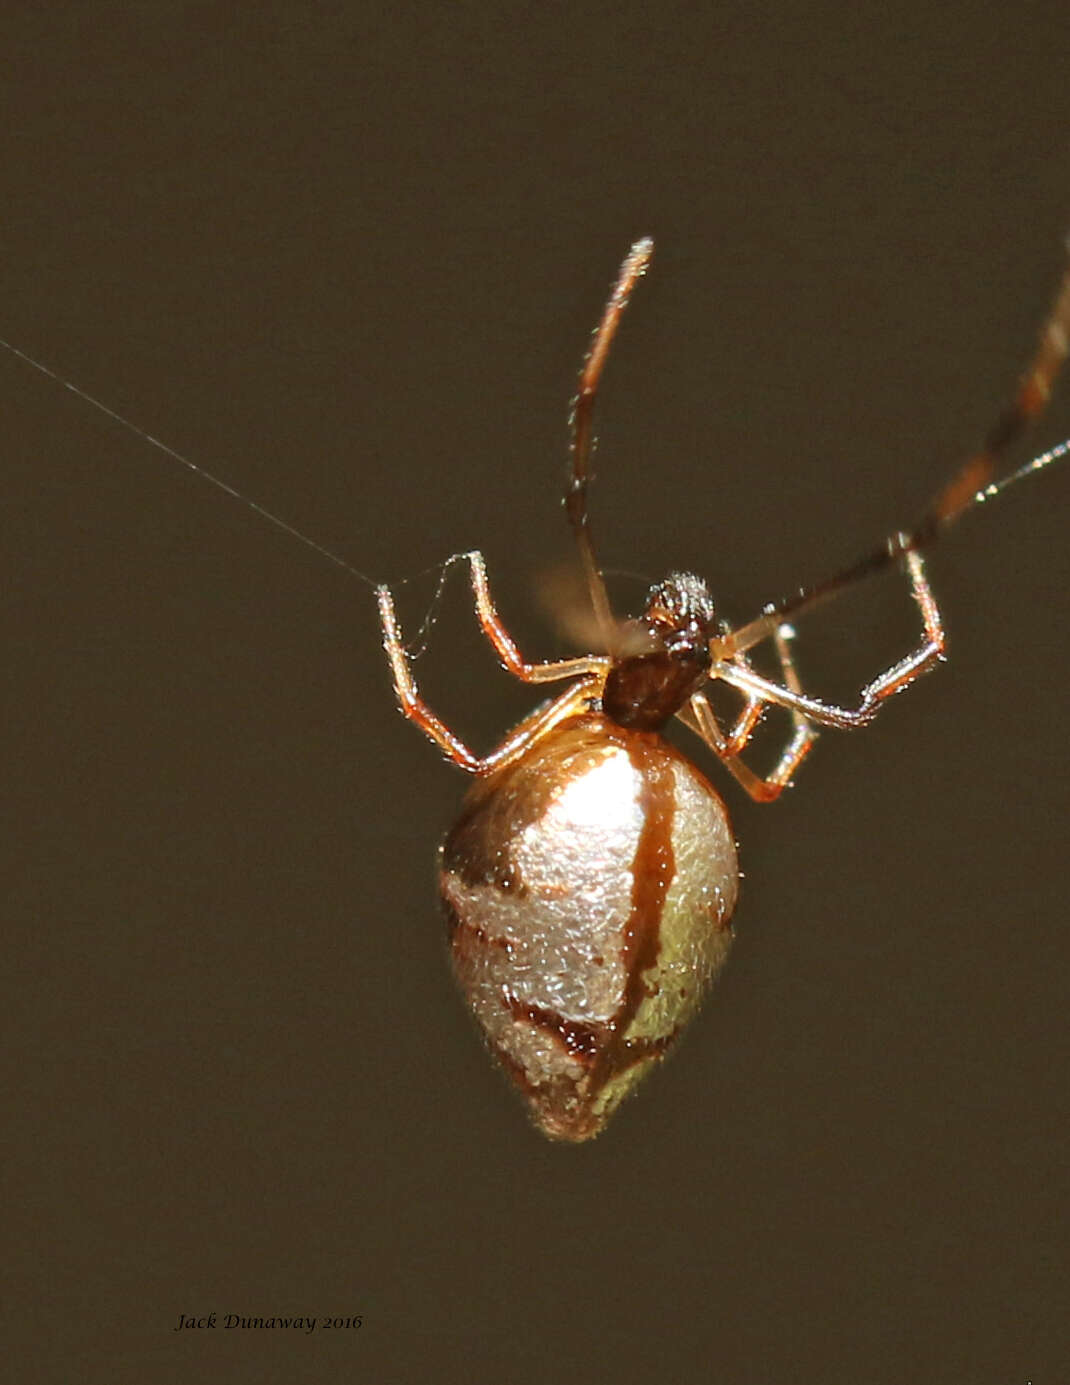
(590, 671)
(893, 680)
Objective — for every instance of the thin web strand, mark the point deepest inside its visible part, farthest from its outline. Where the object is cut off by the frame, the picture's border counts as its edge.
(418, 645)
(191, 466)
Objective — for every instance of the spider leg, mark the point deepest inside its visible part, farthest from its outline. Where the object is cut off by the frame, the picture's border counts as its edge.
(506, 650)
(763, 789)
(893, 680)
(633, 267)
(804, 732)
(971, 485)
(574, 699)
(417, 711)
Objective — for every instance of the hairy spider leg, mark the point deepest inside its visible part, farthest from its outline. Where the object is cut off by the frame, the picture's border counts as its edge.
(970, 486)
(893, 680)
(590, 672)
(582, 436)
(700, 716)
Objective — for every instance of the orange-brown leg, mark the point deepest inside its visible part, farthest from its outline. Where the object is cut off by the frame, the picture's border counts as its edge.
(634, 266)
(971, 485)
(506, 650)
(764, 789)
(416, 709)
(893, 680)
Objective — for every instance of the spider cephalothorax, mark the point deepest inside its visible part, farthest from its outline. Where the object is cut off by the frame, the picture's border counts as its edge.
(665, 656)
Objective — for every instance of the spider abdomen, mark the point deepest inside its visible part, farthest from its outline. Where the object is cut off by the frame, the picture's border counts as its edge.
(589, 886)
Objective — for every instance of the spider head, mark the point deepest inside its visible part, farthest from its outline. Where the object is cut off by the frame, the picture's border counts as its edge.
(680, 618)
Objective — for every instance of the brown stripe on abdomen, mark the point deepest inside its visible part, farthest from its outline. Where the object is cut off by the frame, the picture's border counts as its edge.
(653, 870)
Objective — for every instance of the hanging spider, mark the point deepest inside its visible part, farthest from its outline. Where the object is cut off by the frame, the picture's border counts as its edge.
(590, 880)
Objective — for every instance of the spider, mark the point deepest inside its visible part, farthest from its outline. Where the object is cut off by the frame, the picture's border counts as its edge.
(590, 879)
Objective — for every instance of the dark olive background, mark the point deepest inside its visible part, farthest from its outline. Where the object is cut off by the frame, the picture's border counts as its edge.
(346, 256)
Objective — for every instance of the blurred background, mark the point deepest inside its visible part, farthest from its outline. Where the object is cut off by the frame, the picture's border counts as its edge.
(346, 257)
